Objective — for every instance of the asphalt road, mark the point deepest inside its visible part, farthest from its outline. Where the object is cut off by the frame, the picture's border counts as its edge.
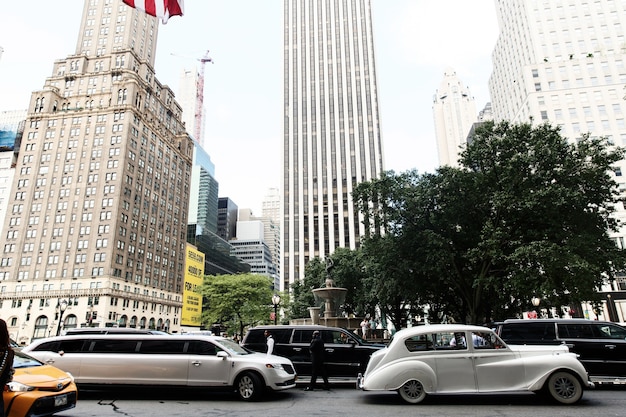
(339, 401)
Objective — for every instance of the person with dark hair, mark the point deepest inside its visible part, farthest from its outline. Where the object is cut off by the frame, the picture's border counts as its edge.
(270, 342)
(6, 360)
(317, 361)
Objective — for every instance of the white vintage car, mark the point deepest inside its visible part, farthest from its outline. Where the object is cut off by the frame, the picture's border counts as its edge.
(436, 359)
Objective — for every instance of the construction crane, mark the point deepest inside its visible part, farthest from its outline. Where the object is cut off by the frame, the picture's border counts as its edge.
(199, 94)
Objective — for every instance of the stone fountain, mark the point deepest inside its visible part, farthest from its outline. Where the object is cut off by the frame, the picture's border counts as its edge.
(331, 298)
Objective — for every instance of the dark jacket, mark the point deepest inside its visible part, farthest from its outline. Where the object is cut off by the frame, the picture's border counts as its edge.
(317, 349)
(6, 366)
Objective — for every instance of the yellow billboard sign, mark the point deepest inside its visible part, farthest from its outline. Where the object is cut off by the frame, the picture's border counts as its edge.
(192, 296)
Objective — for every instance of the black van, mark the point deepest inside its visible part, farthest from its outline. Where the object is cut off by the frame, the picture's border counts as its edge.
(601, 345)
(347, 354)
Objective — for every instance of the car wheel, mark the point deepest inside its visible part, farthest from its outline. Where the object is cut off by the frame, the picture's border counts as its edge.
(564, 387)
(412, 392)
(249, 386)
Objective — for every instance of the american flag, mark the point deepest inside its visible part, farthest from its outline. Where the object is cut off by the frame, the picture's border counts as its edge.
(163, 9)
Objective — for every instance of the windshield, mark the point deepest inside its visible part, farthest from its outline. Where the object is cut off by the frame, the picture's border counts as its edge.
(22, 360)
(232, 347)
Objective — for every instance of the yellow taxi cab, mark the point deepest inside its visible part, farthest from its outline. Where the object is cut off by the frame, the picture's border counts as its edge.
(37, 389)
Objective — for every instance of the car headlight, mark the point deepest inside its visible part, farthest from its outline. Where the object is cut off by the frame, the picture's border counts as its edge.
(19, 387)
(276, 366)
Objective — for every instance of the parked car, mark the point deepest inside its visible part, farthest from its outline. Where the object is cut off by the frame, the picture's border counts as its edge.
(346, 354)
(437, 359)
(37, 389)
(601, 345)
(165, 360)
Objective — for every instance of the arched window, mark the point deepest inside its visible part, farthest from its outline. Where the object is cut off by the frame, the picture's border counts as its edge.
(142, 323)
(151, 325)
(41, 327)
(123, 321)
(133, 322)
(70, 322)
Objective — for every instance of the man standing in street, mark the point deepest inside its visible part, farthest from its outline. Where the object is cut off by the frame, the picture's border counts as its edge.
(270, 342)
(317, 361)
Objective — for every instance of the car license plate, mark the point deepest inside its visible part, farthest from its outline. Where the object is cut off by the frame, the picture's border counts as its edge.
(60, 400)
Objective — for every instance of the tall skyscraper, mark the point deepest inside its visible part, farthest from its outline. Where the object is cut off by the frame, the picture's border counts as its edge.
(454, 111)
(96, 225)
(331, 138)
(188, 98)
(564, 62)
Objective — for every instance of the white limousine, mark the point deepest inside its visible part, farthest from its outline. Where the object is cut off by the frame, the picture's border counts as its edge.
(187, 360)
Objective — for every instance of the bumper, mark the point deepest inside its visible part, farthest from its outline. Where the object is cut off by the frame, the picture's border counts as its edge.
(32, 404)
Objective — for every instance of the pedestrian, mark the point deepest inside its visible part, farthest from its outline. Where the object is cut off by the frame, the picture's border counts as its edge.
(365, 324)
(6, 361)
(317, 362)
(269, 339)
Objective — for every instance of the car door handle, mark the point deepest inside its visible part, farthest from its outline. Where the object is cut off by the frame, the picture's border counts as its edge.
(50, 361)
(196, 363)
(297, 349)
(569, 345)
(330, 350)
(611, 347)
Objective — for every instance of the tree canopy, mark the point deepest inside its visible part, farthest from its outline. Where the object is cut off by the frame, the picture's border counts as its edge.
(527, 213)
(237, 301)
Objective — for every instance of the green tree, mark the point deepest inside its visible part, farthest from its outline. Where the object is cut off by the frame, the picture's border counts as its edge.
(301, 291)
(526, 214)
(238, 301)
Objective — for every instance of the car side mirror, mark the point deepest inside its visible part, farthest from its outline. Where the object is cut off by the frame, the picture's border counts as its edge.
(222, 354)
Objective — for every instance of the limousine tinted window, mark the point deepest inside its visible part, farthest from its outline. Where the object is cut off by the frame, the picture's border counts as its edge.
(162, 346)
(72, 346)
(114, 346)
(200, 347)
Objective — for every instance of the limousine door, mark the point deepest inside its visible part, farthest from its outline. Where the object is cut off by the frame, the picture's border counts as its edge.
(205, 367)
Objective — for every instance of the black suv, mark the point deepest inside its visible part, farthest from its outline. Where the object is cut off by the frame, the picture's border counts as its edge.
(601, 345)
(346, 353)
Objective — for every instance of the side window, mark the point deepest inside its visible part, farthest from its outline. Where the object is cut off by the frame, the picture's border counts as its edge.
(458, 341)
(48, 347)
(482, 340)
(72, 346)
(443, 340)
(114, 346)
(162, 346)
(576, 331)
(420, 343)
(528, 331)
(282, 336)
(328, 336)
(255, 336)
(609, 331)
(340, 337)
(201, 347)
(302, 336)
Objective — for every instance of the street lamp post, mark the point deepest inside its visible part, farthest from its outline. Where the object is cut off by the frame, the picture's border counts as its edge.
(535, 301)
(276, 302)
(61, 307)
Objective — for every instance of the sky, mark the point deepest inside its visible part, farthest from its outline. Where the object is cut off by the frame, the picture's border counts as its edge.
(415, 41)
